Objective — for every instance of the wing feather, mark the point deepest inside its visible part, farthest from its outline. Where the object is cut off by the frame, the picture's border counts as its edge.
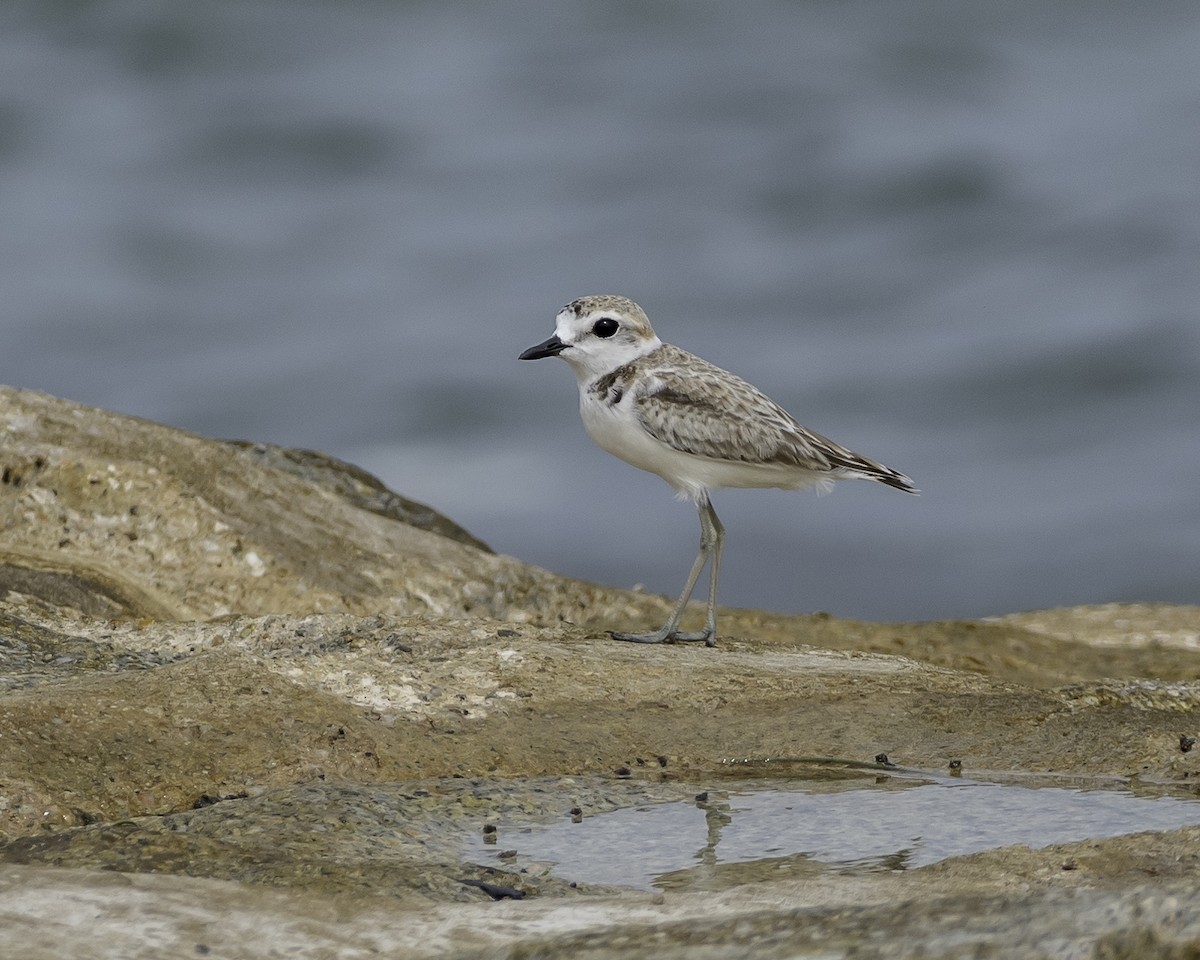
(703, 410)
(700, 409)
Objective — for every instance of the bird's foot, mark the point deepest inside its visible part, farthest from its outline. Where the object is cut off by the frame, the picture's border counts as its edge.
(707, 637)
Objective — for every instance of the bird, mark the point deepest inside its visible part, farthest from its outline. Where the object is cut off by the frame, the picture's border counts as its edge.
(694, 424)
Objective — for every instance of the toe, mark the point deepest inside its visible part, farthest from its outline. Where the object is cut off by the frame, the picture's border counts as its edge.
(638, 637)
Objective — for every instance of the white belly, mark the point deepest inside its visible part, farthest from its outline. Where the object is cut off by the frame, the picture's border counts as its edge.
(615, 428)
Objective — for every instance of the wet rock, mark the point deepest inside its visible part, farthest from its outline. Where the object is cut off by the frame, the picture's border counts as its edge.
(405, 840)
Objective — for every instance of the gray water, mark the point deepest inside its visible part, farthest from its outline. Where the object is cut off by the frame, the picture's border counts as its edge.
(773, 831)
(960, 238)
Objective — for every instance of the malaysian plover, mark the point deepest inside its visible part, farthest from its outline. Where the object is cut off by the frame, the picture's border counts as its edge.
(695, 425)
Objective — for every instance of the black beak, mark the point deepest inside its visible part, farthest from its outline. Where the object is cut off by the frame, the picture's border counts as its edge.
(547, 348)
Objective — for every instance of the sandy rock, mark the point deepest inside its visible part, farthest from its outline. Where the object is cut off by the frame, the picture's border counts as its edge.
(119, 516)
(277, 697)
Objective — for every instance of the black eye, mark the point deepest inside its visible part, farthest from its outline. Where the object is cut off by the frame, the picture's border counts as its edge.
(605, 327)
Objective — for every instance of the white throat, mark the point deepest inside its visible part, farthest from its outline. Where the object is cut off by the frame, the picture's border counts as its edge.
(590, 358)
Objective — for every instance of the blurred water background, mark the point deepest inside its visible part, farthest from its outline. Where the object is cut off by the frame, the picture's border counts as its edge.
(961, 238)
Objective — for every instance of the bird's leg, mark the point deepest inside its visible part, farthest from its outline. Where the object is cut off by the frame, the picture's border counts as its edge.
(668, 630)
(712, 539)
(711, 530)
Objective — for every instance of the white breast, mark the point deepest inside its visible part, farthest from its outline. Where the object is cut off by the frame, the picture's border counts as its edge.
(615, 428)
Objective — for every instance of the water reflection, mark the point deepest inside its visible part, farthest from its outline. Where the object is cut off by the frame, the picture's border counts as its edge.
(738, 835)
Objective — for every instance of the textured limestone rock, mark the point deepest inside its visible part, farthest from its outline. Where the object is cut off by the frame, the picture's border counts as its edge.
(229, 668)
(119, 516)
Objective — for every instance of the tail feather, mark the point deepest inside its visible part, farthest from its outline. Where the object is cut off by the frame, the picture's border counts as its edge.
(857, 465)
(895, 479)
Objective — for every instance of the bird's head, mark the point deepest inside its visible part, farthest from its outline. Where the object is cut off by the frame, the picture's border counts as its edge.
(598, 334)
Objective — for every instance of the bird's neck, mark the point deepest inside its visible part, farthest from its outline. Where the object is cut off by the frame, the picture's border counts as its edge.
(589, 369)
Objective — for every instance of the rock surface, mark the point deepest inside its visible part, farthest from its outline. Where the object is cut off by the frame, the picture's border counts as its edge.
(277, 698)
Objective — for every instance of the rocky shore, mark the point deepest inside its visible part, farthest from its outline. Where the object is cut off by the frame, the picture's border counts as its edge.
(253, 704)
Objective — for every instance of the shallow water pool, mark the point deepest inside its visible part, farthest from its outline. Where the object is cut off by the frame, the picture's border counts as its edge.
(787, 827)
